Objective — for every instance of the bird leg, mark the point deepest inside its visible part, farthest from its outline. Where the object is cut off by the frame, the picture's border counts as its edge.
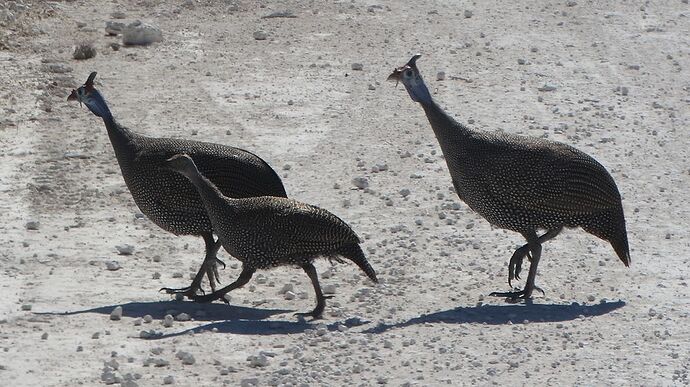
(209, 267)
(533, 242)
(320, 298)
(515, 265)
(242, 280)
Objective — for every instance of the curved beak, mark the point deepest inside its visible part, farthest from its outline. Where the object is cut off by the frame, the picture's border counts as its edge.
(395, 75)
(73, 96)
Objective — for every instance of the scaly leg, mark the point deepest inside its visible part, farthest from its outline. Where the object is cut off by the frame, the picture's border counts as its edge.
(515, 265)
(208, 267)
(320, 298)
(242, 280)
(535, 249)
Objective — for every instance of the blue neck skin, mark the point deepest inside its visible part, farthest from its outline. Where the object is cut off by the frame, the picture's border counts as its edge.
(419, 92)
(99, 107)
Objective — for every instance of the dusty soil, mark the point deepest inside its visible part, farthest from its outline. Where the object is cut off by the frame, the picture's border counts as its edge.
(620, 93)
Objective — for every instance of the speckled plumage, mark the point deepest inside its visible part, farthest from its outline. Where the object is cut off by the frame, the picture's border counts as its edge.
(524, 184)
(266, 232)
(168, 199)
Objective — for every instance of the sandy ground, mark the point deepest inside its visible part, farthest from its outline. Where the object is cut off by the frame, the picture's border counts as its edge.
(621, 94)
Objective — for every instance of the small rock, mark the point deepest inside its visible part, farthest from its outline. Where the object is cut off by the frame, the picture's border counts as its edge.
(290, 295)
(329, 289)
(169, 380)
(81, 24)
(125, 249)
(468, 14)
(141, 34)
(118, 15)
(26, 307)
(186, 357)
(440, 76)
(183, 317)
(286, 288)
(33, 225)
(249, 382)
(360, 182)
(547, 87)
(521, 61)
(112, 265)
(260, 35)
(116, 314)
(571, 3)
(115, 46)
(372, 86)
(257, 361)
(624, 90)
(114, 28)
(168, 321)
(148, 318)
(58, 68)
(44, 336)
(357, 66)
(404, 192)
(84, 51)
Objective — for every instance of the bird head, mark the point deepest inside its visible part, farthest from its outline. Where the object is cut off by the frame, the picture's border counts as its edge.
(412, 80)
(89, 96)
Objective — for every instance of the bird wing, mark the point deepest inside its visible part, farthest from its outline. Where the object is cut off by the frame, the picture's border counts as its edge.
(300, 223)
(545, 175)
(236, 172)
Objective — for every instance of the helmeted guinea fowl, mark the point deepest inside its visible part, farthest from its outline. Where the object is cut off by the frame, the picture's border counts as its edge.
(523, 184)
(265, 232)
(167, 198)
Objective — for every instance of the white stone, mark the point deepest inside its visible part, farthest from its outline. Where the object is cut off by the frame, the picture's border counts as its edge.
(125, 249)
(260, 35)
(112, 265)
(360, 182)
(168, 321)
(116, 314)
(141, 34)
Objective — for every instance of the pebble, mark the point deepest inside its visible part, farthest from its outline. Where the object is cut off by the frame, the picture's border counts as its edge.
(112, 265)
(357, 66)
(290, 295)
(186, 357)
(125, 249)
(440, 76)
(141, 34)
(84, 51)
(118, 15)
(521, 61)
(372, 86)
(58, 68)
(468, 14)
(249, 382)
(26, 307)
(33, 225)
(360, 182)
(148, 318)
(168, 321)
(116, 314)
(114, 28)
(183, 317)
(44, 336)
(329, 289)
(286, 288)
(115, 46)
(169, 380)
(405, 192)
(260, 35)
(257, 361)
(547, 87)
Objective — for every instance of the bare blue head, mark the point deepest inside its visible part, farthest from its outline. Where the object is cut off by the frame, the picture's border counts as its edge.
(89, 96)
(410, 77)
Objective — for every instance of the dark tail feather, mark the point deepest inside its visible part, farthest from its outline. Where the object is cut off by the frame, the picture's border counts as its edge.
(354, 253)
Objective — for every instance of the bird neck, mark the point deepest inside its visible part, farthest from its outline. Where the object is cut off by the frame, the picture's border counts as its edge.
(121, 138)
(446, 128)
(210, 194)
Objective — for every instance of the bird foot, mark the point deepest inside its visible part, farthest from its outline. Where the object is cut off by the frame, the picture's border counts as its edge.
(188, 291)
(515, 265)
(314, 314)
(517, 294)
(206, 298)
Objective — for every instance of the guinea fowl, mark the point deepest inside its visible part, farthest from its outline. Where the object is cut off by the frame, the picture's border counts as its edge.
(167, 198)
(265, 232)
(523, 184)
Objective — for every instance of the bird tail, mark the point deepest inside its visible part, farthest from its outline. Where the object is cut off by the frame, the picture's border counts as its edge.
(355, 254)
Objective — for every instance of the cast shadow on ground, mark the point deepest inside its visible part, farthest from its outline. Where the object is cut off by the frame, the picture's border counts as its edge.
(263, 327)
(506, 314)
(199, 312)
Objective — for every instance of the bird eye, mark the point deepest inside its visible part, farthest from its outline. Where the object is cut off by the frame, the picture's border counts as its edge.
(408, 73)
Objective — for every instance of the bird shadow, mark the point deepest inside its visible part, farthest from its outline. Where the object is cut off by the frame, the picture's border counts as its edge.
(200, 312)
(263, 327)
(506, 314)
